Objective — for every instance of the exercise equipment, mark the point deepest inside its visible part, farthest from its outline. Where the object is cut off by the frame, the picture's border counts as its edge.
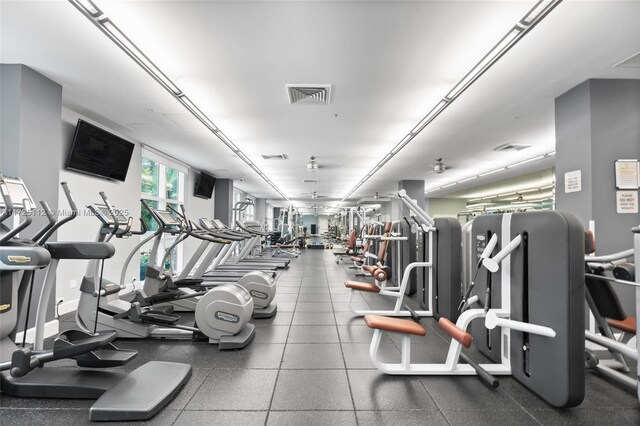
(608, 312)
(222, 313)
(529, 300)
(260, 285)
(119, 396)
(440, 287)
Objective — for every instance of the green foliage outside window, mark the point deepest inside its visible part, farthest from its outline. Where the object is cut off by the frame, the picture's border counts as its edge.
(160, 184)
(149, 221)
(173, 182)
(150, 171)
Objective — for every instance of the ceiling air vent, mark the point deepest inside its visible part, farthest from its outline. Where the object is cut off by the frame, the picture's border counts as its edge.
(310, 181)
(275, 157)
(632, 61)
(315, 94)
(510, 147)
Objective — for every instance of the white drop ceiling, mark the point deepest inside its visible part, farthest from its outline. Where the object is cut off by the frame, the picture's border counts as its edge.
(387, 63)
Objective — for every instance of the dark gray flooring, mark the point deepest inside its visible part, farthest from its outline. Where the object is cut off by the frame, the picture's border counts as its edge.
(310, 365)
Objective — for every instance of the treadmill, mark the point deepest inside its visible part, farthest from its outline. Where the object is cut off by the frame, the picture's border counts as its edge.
(209, 269)
(255, 237)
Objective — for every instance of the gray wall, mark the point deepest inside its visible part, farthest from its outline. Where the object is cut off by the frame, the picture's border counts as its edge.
(30, 141)
(261, 210)
(597, 123)
(224, 200)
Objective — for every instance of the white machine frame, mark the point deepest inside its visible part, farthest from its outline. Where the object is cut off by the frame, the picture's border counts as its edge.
(492, 318)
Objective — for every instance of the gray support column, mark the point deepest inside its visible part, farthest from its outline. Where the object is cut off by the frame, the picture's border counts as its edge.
(31, 143)
(261, 210)
(223, 201)
(597, 123)
(276, 218)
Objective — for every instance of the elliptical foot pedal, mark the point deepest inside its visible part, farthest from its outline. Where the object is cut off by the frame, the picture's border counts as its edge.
(158, 317)
(188, 282)
(237, 341)
(109, 356)
(141, 393)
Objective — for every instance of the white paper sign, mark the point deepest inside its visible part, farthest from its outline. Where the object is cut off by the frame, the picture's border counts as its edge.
(627, 174)
(573, 181)
(627, 202)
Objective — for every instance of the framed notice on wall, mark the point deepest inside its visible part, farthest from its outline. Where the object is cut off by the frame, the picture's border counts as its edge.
(627, 174)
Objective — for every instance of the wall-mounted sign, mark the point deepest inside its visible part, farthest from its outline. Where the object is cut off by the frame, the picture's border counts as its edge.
(627, 202)
(573, 181)
(627, 174)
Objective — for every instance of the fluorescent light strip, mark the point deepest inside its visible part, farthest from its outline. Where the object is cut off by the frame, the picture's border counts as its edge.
(484, 64)
(492, 172)
(386, 158)
(468, 179)
(520, 163)
(245, 158)
(227, 141)
(92, 12)
(510, 166)
(536, 12)
(429, 117)
(188, 103)
(528, 22)
(91, 8)
(118, 37)
(401, 144)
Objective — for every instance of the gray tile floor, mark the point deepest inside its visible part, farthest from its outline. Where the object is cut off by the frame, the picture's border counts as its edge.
(310, 365)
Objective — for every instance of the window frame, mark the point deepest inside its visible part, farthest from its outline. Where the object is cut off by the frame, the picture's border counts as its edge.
(163, 164)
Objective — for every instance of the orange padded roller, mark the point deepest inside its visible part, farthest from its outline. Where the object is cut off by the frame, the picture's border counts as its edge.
(455, 332)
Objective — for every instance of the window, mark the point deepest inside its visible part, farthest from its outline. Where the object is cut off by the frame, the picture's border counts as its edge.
(163, 187)
(248, 213)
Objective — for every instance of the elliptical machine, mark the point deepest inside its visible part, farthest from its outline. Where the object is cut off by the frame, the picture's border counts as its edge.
(159, 283)
(222, 313)
(260, 285)
(137, 395)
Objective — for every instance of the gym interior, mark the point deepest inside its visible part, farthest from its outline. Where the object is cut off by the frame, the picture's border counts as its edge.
(319, 212)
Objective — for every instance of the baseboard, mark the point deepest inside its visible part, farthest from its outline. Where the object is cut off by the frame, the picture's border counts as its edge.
(51, 328)
(66, 307)
(72, 305)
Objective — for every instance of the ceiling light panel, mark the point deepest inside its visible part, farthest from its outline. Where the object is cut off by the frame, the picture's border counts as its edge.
(519, 30)
(95, 15)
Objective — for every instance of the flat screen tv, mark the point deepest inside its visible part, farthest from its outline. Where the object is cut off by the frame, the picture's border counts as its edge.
(99, 153)
(204, 185)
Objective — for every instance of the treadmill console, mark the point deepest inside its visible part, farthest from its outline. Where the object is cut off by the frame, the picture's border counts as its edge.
(167, 219)
(219, 224)
(18, 193)
(102, 213)
(208, 224)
